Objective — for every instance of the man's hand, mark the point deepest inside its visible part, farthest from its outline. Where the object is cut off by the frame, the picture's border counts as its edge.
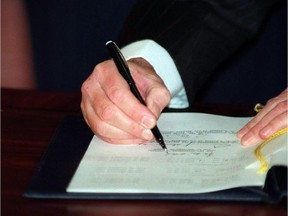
(270, 119)
(113, 112)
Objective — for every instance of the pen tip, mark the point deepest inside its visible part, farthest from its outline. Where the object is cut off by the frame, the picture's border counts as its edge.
(166, 150)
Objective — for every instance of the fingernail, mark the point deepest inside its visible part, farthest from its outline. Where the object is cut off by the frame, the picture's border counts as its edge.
(248, 139)
(148, 122)
(147, 134)
(266, 132)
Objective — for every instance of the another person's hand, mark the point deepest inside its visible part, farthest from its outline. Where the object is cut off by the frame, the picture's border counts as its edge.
(270, 119)
(113, 112)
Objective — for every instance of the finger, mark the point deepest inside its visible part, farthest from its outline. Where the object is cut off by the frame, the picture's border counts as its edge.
(153, 89)
(276, 124)
(280, 102)
(277, 111)
(269, 124)
(157, 99)
(254, 121)
(124, 141)
(254, 136)
(107, 112)
(104, 130)
(112, 134)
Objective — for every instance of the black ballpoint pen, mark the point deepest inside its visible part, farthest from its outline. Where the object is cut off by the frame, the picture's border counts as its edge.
(123, 69)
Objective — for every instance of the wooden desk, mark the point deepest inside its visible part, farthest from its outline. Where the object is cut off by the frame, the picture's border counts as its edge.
(29, 119)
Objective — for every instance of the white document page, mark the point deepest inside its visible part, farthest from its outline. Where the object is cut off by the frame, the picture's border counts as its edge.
(204, 156)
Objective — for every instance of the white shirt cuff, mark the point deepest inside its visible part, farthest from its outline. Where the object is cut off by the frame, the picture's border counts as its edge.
(164, 66)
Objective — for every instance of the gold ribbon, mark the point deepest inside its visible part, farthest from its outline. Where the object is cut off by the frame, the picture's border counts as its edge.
(263, 162)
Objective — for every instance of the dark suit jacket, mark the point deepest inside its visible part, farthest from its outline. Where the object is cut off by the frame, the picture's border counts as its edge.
(200, 35)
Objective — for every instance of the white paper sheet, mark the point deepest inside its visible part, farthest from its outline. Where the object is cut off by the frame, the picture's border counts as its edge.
(204, 156)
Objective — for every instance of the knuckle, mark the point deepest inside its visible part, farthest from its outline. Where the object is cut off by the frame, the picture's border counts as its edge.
(250, 124)
(85, 86)
(273, 124)
(284, 119)
(88, 86)
(98, 129)
(281, 120)
(101, 67)
(271, 102)
(101, 131)
(162, 95)
(100, 70)
(282, 106)
(106, 112)
(255, 132)
(166, 95)
(136, 130)
(115, 94)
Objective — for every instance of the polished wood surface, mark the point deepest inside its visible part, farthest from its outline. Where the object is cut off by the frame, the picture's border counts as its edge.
(29, 119)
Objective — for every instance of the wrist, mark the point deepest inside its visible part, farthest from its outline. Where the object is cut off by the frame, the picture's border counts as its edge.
(141, 62)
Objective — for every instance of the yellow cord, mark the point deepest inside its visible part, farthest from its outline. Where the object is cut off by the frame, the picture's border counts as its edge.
(264, 163)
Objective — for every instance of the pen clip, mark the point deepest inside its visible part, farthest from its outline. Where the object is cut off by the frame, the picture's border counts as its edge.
(120, 61)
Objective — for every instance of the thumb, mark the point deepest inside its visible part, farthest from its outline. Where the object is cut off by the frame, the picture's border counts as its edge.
(157, 99)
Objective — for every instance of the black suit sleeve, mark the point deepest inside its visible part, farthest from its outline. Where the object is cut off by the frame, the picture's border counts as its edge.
(199, 35)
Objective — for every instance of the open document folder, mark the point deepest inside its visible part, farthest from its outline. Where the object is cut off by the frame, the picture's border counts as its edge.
(204, 156)
(205, 162)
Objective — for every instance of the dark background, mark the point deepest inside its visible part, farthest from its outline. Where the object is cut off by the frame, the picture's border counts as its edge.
(69, 40)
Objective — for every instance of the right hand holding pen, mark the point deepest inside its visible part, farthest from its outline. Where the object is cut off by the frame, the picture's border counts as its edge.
(112, 111)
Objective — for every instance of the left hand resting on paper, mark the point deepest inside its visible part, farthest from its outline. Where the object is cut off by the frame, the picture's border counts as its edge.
(270, 119)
